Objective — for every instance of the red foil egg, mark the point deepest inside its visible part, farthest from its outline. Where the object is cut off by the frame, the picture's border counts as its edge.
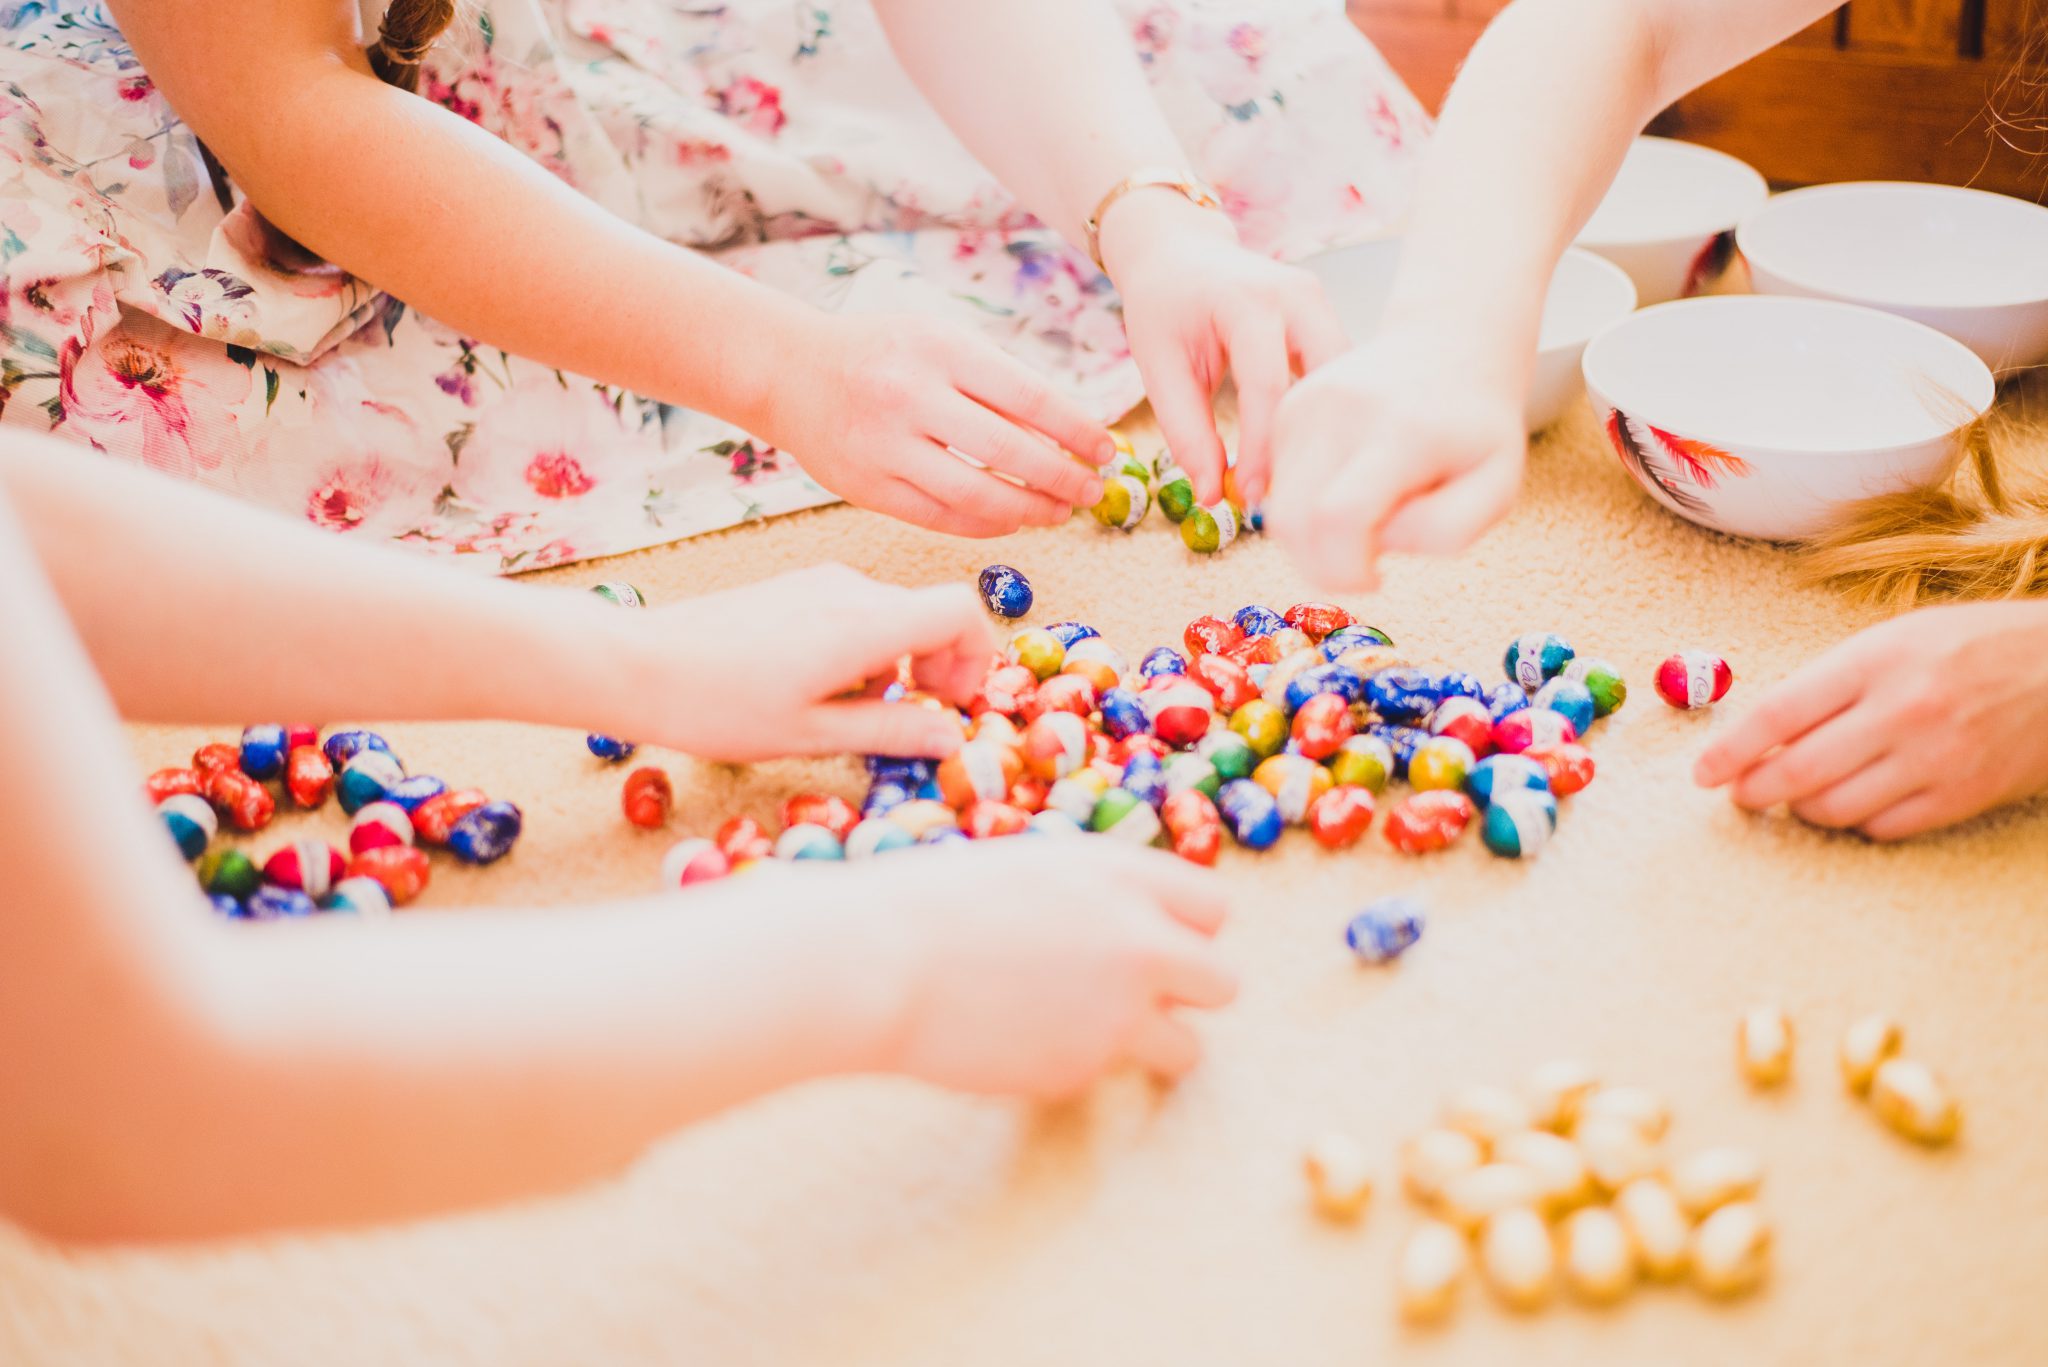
(742, 840)
(647, 797)
(834, 813)
(166, 783)
(308, 776)
(1228, 682)
(242, 801)
(213, 759)
(1317, 620)
(987, 819)
(1193, 825)
(401, 870)
(1429, 821)
(1322, 725)
(1569, 765)
(1340, 817)
(1206, 635)
(432, 819)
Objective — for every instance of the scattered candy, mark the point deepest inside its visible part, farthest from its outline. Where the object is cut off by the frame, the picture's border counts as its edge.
(1602, 680)
(1572, 701)
(1363, 762)
(1638, 1107)
(401, 870)
(647, 797)
(1705, 1181)
(1489, 1114)
(216, 758)
(167, 783)
(1433, 1158)
(366, 779)
(1005, 591)
(378, 825)
(228, 873)
(1532, 729)
(273, 902)
(620, 594)
(1731, 1250)
(1517, 1258)
(699, 861)
(1519, 823)
(1470, 1199)
(1615, 1151)
(1125, 815)
(1562, 1181)
(1533, 661)
(1339, 1173)
(1866, 1044)
(263, 752)
(308, 776)
(1385, 930)
(363, 897)
(1599, 1264)
(1037, 650)
(433, 819)
(309, 866)
(1424, 822)
(1693, 678)
(245, 803)
(806, 841)
(1569, 767)
(1430, 1270)
(1193, 825)
(409, 792)
(1440, 762)
(610, 749)
(1657, 1228)
(1339, 818)
(191, 822)
(343, 746)
(486, 834)
(1763, 1046)
(1125, 501)
(1209, 528)
(1557, 1092)
(1908, 1097)
(1250, 813)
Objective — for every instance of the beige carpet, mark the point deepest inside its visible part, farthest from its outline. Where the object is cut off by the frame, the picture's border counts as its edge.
(876, 1222)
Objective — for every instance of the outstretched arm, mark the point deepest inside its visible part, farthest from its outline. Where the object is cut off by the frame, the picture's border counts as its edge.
(1062, 115)
(435, 211)
(167, 1074)
(1414, 442)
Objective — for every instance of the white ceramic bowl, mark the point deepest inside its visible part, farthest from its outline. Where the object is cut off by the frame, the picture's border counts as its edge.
(1764, 415)
(1586, 294)
(1664, 217)
(1969, 262)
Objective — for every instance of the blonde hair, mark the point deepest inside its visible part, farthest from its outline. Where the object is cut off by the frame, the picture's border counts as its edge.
(1976, 536)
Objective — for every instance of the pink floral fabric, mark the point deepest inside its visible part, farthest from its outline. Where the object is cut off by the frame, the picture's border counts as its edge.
(144, 317)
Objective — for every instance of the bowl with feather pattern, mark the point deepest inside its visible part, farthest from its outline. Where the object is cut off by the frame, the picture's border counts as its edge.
(1669, 218)
(1767, 416)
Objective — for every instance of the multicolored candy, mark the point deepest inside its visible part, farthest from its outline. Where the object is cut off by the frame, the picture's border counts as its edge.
(1536, 659)
(1385, 930)
(1694, 678)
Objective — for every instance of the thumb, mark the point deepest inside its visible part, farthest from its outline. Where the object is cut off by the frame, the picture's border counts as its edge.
(879, 728)
(1453, 515)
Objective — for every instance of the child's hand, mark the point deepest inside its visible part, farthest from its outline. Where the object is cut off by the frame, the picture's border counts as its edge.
(1033, 965)
(1196, 302)
(872, 410)
(1915, 723)
(1394, 447)
(761, 671)
(1390, 448)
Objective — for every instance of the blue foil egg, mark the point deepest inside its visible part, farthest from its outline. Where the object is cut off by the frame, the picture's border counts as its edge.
(1345, 682)
(263, 750)
(1066, 633)
(359, 897)
(1402, 694)
(1503, 774)
(1005, 591)
(1458, 684)
(942, 835)
(1123, 715)
(1145, 777)
(487, 834)
(609, 748)
(1162, 660)
(1250, 813)
(271, 902)
(1504, 699)
(1401, 740)
(191, 822)
(343, 746)
(1572, 701)
(1385, 930)
(1257, 620)
(226, 906)
(366, 779)
(409, 793)
(884, 796)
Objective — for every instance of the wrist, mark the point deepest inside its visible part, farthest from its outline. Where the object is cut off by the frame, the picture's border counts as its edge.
(759, 367)
(570, 659)
(1151, 219)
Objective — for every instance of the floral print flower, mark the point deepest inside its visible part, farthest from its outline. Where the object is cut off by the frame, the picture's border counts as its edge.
(754, 105)
(153, 394)
(209, 301)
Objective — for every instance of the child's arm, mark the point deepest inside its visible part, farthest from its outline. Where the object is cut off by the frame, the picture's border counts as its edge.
(446, 217)
(1877, 736)
(168, 1074)
(1063, 114)
(1414, 442)
(316, 626)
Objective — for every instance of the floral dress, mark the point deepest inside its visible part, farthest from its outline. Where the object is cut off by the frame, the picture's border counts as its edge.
(157, 319)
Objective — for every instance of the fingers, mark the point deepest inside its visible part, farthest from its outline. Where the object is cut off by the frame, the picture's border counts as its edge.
(1191, 973)
(1000, 444)
(1187, 419)
(1164, 1046)
(1334, 531)
(877, 728)
(944, 622)
(1193, 897)
(982, 499)
(904, 501)
(1317, 334)
(1918, 814)
(1786, 712)
(1816, 761)
(1876, 787)
(1000, 381)
(1259, 361)
(1453, 515)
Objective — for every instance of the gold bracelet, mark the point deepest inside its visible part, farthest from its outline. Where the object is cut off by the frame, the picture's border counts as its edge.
(1180, 182)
